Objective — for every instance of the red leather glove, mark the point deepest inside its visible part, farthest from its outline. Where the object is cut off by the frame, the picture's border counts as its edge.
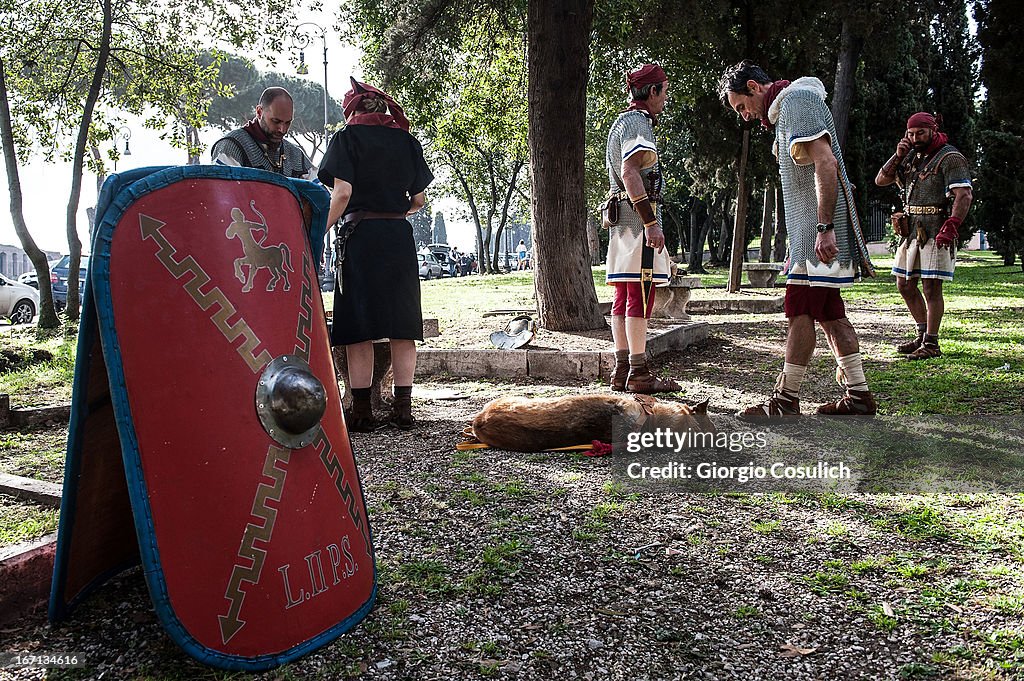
(949, 234)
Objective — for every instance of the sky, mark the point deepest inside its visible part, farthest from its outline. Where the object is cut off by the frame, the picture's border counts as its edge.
(45, 187)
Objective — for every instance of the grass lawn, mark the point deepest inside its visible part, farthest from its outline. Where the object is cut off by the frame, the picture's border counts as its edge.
(36, 372)
(982, 336)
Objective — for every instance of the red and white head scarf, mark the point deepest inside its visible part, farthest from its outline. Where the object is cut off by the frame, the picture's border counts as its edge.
(395, 118)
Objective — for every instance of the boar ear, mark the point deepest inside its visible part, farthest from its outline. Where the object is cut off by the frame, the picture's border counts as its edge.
(702, 408)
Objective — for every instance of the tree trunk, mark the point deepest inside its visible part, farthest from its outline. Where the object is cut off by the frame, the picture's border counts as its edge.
(559, 64)
(594, 239)
(481, 250)
(78, 162)
(194, 148)
(509, 191)
(850, 45)
(724, 239)
(766, 222)
(780, 227)
(47, 314)
(700, 225)
(739, 231)
(101, 177)
(670, 215)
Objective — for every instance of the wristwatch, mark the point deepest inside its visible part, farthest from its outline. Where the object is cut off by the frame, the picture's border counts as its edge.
(824, 227)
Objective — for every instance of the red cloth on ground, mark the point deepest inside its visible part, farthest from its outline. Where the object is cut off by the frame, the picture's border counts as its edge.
(629, 300)
(822, 303)
(599, 449)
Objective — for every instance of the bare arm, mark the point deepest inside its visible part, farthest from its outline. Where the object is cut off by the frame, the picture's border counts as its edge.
(887, 173)
(826, 180)
(416, 203)
(962, 197)
(631, 179)
(826, 183)
(340, 196)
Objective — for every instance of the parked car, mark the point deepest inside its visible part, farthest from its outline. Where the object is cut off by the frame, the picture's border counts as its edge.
(29, 279)
(59, 280)
(18, 302)
(442, 253)
(30, 276)
(429, 267)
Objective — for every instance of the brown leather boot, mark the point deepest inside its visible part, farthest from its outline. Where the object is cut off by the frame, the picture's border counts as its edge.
(401, 413)
(780, 403)
(360, 418)
(926, 351)
(854, 403)
(620, 375)
(641, 380)
(910, 346)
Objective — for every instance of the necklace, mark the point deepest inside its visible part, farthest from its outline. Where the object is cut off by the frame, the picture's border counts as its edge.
(276, 165)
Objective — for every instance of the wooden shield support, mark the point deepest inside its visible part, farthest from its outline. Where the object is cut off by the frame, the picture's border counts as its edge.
(252, 532)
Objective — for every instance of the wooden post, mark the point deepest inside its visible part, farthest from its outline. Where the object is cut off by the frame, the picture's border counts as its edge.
(739, 231)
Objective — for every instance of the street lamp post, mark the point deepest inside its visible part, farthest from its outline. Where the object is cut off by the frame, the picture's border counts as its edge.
(302, 37)
(124, 133)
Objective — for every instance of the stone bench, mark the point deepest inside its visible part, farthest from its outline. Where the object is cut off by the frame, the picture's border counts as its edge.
(762, 274)
(670, 301)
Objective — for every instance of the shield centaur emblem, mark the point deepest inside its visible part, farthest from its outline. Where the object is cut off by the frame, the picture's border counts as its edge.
(207, 423)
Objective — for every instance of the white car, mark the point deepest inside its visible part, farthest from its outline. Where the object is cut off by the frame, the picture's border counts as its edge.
(429, 267)
(18, 302)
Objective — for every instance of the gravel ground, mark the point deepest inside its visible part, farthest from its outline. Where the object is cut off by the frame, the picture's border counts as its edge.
(501, 565)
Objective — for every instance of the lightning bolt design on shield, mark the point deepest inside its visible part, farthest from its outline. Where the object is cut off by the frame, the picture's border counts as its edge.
(321, 442)
(232, 623)
(225, 310)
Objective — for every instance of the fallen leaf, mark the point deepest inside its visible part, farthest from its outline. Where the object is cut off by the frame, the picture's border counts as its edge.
(790, 650)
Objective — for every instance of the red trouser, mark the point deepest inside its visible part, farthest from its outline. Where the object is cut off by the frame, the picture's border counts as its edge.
(629, 300)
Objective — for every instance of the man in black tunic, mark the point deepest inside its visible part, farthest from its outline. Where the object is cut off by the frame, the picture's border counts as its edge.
(377, 175)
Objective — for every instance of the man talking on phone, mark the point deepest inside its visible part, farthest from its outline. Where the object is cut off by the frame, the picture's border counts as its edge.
(935, 181)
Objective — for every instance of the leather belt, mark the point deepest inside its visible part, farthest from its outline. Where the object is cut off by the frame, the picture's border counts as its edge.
(925, 210)
(358, 215)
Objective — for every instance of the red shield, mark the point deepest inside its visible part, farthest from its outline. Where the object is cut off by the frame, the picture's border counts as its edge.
(253, 548)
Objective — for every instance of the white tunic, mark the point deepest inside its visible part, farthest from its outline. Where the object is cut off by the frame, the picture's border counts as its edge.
(632, 133)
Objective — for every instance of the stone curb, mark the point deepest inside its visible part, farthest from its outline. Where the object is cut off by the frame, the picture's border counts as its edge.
(39, 491)
(588, 365)
(26, 572)
(17, 418)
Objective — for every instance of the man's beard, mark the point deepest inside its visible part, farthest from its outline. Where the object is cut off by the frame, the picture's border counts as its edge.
(274, 137)
(921, 147)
